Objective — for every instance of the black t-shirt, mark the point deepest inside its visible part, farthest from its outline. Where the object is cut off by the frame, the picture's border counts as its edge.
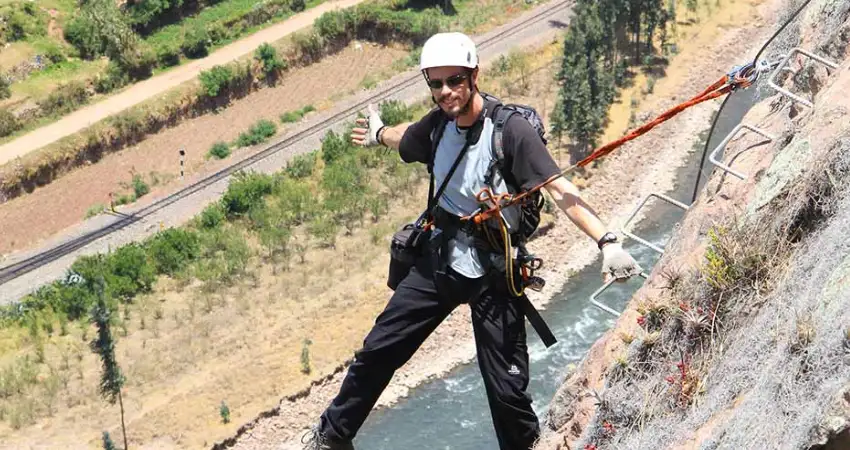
(527, 160)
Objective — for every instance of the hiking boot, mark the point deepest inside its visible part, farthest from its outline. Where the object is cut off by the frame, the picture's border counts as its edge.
(315, 439)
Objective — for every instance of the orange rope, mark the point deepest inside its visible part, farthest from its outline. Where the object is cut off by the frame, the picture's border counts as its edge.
(740, 79)
(710, 93)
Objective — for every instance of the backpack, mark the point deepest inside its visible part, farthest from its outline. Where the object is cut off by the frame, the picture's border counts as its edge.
(530, 208)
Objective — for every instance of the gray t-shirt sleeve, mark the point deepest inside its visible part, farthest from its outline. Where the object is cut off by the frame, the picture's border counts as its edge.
(416, 143)
(526, 157)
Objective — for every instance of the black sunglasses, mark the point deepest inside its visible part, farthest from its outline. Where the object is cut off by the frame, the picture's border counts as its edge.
(452, 81)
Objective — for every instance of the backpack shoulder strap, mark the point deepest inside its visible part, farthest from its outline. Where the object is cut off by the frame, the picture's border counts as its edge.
(503, 113)
(436, 135)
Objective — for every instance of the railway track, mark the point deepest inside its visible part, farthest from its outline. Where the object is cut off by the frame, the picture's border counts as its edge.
(31, 263)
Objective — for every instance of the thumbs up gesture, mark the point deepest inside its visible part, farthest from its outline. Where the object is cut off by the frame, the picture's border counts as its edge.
(369, 135)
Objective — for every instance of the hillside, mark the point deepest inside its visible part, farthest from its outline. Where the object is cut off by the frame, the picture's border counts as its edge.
(741, 336)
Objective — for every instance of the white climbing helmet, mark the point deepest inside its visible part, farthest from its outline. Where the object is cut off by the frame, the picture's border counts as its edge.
(448, 49)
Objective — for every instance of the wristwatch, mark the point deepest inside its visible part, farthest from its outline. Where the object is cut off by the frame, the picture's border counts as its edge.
(606, 238)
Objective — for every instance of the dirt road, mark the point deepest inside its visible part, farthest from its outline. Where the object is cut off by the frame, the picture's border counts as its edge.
(154, 86)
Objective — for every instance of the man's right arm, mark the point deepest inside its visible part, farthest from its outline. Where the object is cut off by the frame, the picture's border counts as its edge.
(411, 139)
(391, 136)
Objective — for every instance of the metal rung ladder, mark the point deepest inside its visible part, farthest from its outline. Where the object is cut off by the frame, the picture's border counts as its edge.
(713, 157)
(783, 65)
(602, 289)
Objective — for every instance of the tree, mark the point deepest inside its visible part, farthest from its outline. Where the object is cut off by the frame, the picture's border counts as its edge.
(587, 89)
(107, 442)
(112, 380)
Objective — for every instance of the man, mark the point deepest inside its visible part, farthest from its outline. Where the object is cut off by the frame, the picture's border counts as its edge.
(463, 271)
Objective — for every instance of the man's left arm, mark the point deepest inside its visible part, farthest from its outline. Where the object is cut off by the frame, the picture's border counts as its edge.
(532, 164)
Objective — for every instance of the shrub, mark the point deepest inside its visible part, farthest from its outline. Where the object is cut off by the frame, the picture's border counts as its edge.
(140, 187)
(66, 98)
(335, 27)
(258, 133)
(245, 191)
(114, 78)
(216, 81)
(129, 125)
(212, 216)
(324, 229)
(295, 116)
(53, 52)
(172, 248)
(130, 272)
(138, 62)
(297, 5)
(168, 54)
(334, 147)
(196, 42)
(309, 45)
(218, 33)
(24, 21)
(301, 166)
(9, 123)
(82, 33)
(345, 186)
(394, 112)
(296, 201)
(220, 150)
(267, 55)
(290, 117)
(224, 411)
(5, 88)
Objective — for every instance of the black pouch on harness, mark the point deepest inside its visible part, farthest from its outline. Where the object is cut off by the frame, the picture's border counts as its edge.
(405, 247)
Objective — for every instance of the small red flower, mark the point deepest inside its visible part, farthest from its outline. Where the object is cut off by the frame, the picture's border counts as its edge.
(683, 306)
(670, 379)
(700, 310)
(608, 427)
(589, 447)
(641, 320)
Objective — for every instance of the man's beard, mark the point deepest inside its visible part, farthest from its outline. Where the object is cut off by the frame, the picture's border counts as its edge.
(464, 108)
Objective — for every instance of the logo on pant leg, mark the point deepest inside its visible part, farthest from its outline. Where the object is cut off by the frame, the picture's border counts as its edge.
(514, 370)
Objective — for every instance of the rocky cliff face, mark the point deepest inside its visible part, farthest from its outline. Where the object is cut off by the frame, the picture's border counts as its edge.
(741, 336)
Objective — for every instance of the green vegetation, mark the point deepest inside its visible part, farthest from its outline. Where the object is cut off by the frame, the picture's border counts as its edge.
(295, 116)
(220, 150)
(224, 412)
(597, 54)
(305, 199)
(258, 133)
(21, 20)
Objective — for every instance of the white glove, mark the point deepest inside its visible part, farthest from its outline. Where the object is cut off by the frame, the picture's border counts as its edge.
(367, 136)
(618, 263)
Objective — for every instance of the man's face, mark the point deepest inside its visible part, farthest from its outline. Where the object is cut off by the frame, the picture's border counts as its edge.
(450, 86)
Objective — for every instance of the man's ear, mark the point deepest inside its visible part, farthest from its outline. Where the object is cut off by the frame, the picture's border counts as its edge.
(473, 79)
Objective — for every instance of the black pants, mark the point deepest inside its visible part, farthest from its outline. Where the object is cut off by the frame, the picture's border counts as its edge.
(412, 314)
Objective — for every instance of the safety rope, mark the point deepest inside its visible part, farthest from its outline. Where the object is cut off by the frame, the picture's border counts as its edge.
(740, 77)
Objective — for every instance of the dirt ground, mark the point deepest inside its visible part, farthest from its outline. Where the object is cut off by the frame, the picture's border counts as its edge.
(29, 219)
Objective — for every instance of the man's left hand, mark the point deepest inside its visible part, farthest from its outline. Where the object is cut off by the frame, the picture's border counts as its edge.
(618, 263)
